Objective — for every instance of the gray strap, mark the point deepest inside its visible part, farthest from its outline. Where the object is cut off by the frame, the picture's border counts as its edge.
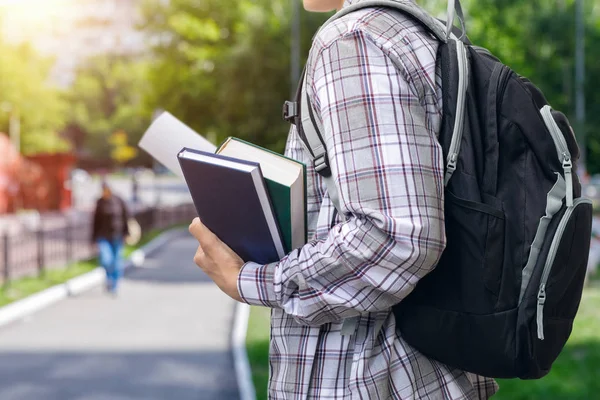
(564, 155)
(454, 6)
(435, 26)
(554, 202)
(317, 147)
(459, 119)
(540, 318)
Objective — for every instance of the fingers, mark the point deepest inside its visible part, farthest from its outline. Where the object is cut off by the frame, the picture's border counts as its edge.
(199, 230)
(200, 257)
(202, 234)
(193, 228)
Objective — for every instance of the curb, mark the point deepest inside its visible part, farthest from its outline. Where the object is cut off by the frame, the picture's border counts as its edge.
(73, 287)
(240, 356)
(83, 282)
(32, 304)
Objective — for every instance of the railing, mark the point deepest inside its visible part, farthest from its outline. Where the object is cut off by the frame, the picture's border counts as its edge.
(30, 252)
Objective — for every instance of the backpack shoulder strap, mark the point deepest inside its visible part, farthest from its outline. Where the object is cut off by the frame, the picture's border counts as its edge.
(310, 128)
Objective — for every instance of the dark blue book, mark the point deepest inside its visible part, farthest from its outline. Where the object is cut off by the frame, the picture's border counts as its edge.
(231, 199)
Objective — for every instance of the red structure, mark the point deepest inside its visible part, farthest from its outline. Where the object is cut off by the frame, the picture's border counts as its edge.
(36, 182)
(55, 172)
(10, 163)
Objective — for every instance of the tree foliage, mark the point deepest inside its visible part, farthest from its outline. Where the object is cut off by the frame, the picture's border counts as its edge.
(537, 39)
(107, 96)
(24, 90)
(224, 67)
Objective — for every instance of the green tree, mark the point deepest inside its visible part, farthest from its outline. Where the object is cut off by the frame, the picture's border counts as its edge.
(537, 39)
(223, 67)
(24, 89)
(107, 97)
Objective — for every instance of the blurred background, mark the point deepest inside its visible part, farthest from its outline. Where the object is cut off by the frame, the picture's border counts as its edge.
(81, 80)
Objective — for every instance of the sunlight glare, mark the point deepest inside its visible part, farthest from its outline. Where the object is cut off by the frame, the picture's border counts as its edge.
(34, 11)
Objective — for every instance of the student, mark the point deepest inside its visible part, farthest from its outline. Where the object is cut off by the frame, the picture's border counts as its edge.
(109, 232)
(373, 83)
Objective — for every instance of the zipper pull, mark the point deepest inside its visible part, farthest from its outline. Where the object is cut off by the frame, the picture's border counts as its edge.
(450, 168)
(540, 310)
(568, 167)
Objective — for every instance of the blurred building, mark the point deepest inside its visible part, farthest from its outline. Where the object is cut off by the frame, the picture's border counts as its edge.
(33, 183)
(70, 31)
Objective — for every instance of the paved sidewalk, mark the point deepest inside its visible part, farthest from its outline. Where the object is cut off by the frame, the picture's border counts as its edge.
(167, 336)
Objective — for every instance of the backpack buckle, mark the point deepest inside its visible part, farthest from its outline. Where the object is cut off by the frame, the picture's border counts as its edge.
(321, 164)
(290, 111)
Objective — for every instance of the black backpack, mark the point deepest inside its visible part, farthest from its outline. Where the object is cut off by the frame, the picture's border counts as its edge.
(502, 300)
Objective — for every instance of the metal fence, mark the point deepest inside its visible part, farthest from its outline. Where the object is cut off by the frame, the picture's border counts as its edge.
(30, 252)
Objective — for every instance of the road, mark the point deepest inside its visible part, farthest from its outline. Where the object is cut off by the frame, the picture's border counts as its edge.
(166, 336)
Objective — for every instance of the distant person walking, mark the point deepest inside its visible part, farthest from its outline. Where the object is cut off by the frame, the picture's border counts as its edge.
(109, 232)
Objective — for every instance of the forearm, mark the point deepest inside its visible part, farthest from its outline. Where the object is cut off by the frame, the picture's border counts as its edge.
(358, 268)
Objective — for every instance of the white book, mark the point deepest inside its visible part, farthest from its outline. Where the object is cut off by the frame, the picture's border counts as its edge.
(165, 138)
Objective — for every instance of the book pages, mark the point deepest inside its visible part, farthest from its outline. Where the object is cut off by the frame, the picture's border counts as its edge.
(165, 138)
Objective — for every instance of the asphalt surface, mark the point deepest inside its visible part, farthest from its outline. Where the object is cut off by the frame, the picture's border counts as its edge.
(165, 336)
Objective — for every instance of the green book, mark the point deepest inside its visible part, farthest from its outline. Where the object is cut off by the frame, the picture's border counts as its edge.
(286, 182)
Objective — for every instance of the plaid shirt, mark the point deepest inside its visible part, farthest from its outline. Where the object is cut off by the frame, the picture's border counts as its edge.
(372, 80)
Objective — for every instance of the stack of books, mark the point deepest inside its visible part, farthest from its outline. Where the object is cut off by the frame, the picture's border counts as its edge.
(253, 199)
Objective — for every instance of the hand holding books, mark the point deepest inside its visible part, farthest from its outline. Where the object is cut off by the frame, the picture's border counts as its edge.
(217, 259)
(232, 200)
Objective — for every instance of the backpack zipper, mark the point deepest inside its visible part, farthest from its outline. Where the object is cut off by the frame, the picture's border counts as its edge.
(563, 150)
(463, 85)
(541, 297)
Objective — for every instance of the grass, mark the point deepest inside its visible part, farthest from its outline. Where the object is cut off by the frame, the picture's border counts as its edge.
(574, 376)
(257, 345)
(21, 288)
(18, 289)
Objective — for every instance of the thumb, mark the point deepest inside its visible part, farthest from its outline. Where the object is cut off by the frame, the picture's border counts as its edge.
(202, 234)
